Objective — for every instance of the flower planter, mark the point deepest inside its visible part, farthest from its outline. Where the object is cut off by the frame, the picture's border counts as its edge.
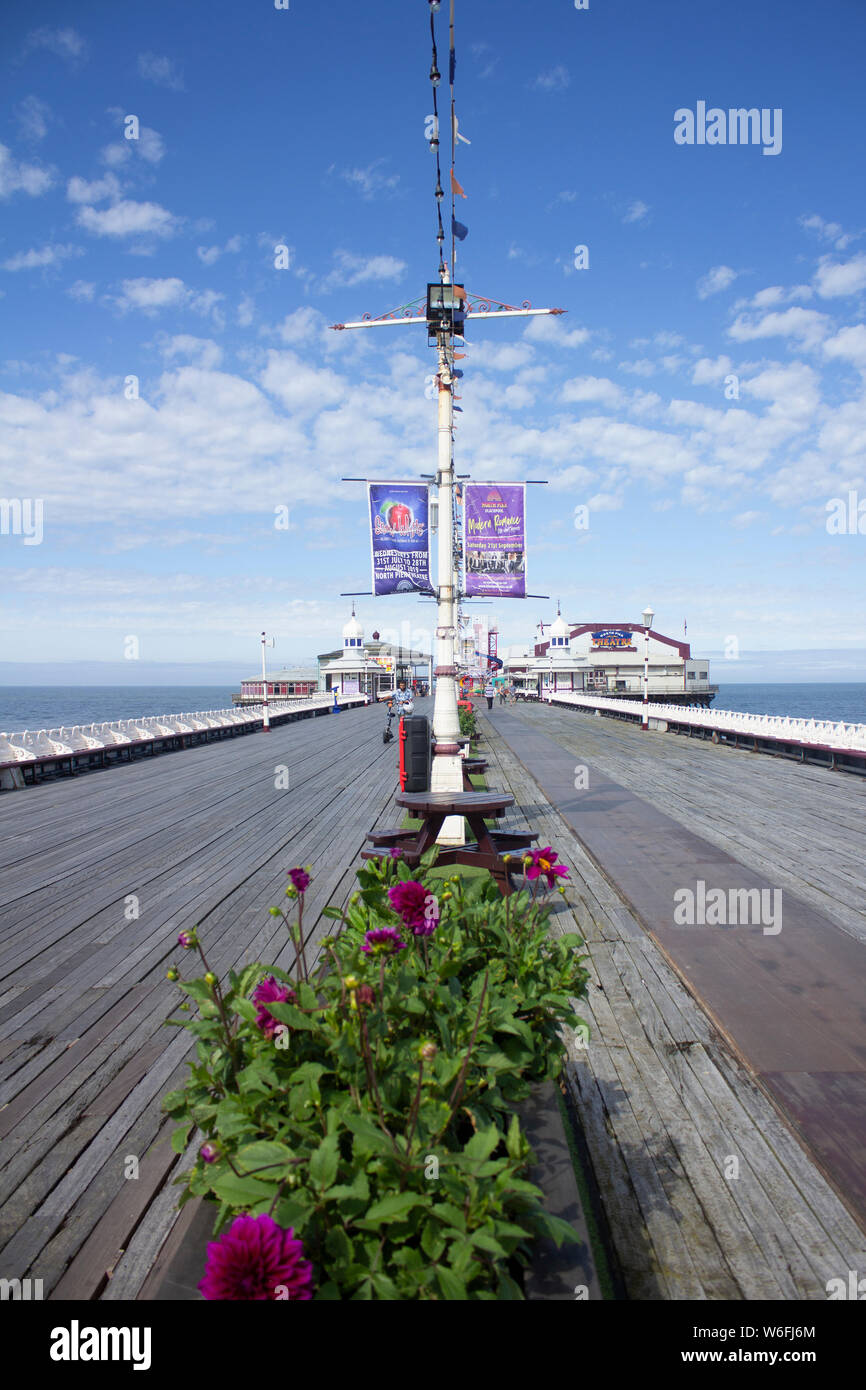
(559, 1275)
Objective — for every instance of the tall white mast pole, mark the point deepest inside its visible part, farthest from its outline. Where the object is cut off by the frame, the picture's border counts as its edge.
(447, 769)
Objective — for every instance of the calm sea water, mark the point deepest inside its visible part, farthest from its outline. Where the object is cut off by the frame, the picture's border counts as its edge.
(846, 702)
(49, 707)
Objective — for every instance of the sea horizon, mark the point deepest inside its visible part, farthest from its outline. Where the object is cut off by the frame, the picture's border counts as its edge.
(50, 707)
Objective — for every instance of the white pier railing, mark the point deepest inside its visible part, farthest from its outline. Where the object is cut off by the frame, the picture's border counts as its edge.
(825, 733)
(31, 746)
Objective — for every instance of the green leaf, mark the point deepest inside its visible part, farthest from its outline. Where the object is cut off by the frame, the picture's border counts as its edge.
(180, 1138)
(264, 1151)
(514, 1139)
(484, 1241)
(247, 1009)
(453, 1288)
(508, 1290)
(324, 1162)
(290, 1014)
(556, 1228)
(394, 1207)
(447, 1212)
(335, 912)
(482, 1144)
(242, 1192)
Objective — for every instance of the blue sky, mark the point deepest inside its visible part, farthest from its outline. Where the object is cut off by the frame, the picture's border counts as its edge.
(154, 258)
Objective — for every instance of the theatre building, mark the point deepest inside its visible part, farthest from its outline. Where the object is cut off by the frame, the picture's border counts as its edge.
(608, 659)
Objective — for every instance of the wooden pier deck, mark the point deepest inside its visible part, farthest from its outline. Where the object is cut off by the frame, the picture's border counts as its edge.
(201, 836)
(205, 836)
(664, 1093)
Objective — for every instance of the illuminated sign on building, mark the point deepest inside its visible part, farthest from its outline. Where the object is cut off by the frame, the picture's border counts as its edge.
(612, 639)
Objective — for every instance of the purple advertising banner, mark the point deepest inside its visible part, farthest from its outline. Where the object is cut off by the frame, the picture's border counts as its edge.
(400, 538)
(494, 539)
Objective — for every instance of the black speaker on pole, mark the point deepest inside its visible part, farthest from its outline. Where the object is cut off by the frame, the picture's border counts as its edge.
(414, 753)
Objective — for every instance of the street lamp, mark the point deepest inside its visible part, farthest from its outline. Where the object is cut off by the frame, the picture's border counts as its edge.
(647, 616)
(266, 725)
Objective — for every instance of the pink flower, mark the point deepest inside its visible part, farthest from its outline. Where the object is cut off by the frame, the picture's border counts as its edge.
(416, 905)
(270, 991)
(209, 1153)
(257, 1260)
(544, 862)
(383, 941)
(396, 852)
(186, 939)
(300, 879)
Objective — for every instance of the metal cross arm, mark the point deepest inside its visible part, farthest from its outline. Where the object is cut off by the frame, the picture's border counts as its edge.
(477, 307)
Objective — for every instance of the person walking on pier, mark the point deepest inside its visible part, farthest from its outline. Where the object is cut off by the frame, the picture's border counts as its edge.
(489, 691)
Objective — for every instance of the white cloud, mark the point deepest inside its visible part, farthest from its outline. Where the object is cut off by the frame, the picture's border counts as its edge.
(506, 357)
(792, 389)
(33, 116)
(149, 146)
(201, 352)
(245, 311)
(710, 370)
(82, 289)
(23, 178)
(46, 256)
(127, 218)
(302, 326)
(604, 502)
(65, 43)
(208, 255)
(849, 345)
(637, 212)
(746, 518)
(151, 295)
(828, 231)
(642, 367)
(361, 270)
(371, 182)
(835, 278)
(549, 328)
(78, 190)
(716, 279)
(163, 71)
(805, 324)
(553, 80)
(592, 388)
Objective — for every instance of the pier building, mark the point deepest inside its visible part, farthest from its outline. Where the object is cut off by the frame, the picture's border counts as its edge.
(369, 666)
(292, 683)
(608, 658)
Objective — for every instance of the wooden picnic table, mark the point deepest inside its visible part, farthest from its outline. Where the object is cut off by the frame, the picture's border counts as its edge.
(434, 808)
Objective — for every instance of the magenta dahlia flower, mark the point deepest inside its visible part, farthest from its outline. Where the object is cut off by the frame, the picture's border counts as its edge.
(209, 1153)
(416, 905)
(396, 852)
(544, 862)
(186, 939)
(270, 991)
(300, 879)
(383, 941)
(257, 1260)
